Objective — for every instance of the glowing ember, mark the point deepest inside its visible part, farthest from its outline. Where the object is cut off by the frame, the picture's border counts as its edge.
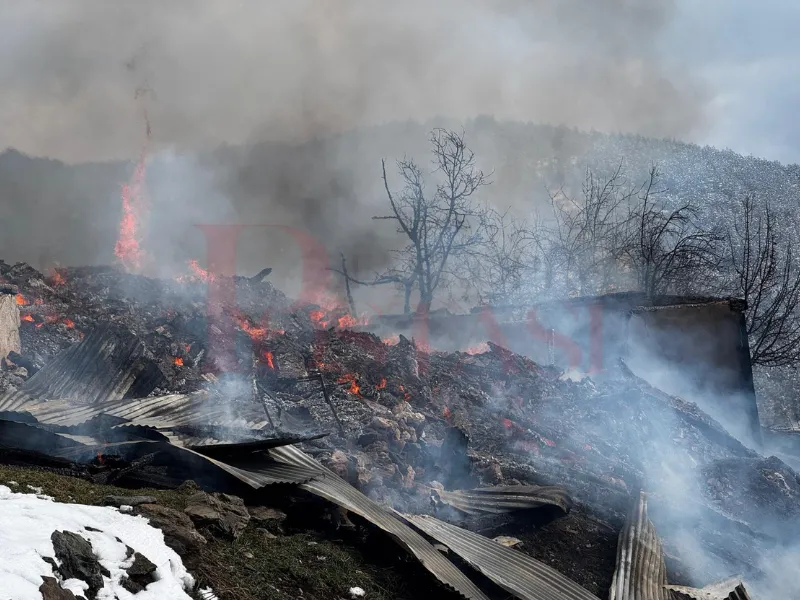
(199, 272)
(446, 412)
(268, 358)
(508, 423)
(381, 385)
(38, 302)
(255, 333)
(100, 458)
(481, 348)
(354, 387)
(69, 323)
(58, 279)
(391, 340)
(27, 318)
(21, 300)
(178, 361)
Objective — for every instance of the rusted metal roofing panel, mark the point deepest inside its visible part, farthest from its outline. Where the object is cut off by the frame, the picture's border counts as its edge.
(503, 499)
(730, 589)
(330, 486)
(640, 572)
(518, 573)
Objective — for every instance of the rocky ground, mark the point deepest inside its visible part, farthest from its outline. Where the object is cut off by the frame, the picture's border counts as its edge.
(403, 421)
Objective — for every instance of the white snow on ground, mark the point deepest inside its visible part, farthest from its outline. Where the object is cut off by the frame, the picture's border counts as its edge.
(27, 521)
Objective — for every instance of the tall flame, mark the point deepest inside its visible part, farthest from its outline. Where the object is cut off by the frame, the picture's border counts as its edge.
(128, 248)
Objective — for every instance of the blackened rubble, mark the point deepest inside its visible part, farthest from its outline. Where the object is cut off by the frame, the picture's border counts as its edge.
(404, 423)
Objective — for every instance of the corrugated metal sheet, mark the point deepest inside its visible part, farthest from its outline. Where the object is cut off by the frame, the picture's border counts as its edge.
(108, 364)
(730, 589)
(640, 573)
(518, 573)
(160, 412)
(330, 486)
(503, 499)
(246, 472)
(30, 438)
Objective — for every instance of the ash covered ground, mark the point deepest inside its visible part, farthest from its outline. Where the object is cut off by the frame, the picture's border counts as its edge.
(404, 422)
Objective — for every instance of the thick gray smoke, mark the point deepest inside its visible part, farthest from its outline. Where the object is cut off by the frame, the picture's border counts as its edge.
(262, 77)
(244, 71)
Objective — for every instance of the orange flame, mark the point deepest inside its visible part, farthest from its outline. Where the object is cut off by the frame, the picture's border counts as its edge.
(391, 340)
(199, 272)
(178, 361)
(354, 387)
(21, 300)
(128, 249)
(424, 347)
(318, 318)
(481, 348)
(346, 321)
(27, 318)
(58, 278)
(255, 333)
(382, 384)
(69, 323)
(268, 357)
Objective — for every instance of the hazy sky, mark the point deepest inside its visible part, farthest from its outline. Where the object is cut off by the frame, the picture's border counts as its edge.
(717, 71)
(749, 53)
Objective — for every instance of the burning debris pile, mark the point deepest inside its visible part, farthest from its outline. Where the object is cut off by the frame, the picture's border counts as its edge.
(128, 380)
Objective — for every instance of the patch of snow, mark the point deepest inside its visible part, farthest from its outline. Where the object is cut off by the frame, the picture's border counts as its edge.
(126, 508)
(357, 592)
(37, 490)
(29, 520)
(12, 483)
(208, 594)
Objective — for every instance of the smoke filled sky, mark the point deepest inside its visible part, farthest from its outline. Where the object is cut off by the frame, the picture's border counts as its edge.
(213, 71)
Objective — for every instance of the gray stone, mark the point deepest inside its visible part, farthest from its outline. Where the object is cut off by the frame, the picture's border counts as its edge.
(139, 575)
(178, 529)
(222, 514)
(78, 561)
(128, 500)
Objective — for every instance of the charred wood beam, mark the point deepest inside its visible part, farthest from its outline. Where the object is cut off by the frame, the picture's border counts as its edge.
(259, 277)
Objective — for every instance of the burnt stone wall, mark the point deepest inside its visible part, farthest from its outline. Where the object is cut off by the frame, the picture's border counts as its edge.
(701, 353)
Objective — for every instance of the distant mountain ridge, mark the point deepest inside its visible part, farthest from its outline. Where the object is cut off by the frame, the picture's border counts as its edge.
(51, 211)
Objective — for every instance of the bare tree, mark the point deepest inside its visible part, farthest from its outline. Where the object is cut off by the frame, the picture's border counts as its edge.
(440, 224)
(668, 249)
(583, 241)
(768, 279)
(499, 267)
